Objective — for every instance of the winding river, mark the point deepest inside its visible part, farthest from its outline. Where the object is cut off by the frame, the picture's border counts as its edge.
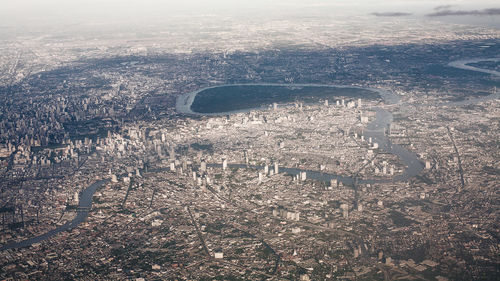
(465, 64)
(375, 130)
(84, 206)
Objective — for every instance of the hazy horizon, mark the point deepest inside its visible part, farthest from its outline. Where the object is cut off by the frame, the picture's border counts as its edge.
(33, 14)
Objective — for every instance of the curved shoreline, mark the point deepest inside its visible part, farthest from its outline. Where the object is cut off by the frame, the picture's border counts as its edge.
(464, 64)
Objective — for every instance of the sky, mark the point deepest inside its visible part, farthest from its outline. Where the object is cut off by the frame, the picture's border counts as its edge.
(34, 12)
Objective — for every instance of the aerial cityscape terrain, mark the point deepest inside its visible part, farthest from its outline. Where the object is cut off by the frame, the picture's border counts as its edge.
(276, 145)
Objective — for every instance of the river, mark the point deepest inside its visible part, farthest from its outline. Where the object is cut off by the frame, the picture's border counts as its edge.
(375, 130)
(465, 64)
(84, 206)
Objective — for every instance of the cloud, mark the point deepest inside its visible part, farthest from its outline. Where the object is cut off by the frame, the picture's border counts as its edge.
(391, 14)
(485, 12)
(443, 7)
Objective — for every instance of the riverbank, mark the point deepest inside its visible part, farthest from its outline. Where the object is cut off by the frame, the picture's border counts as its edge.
(84, 207)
